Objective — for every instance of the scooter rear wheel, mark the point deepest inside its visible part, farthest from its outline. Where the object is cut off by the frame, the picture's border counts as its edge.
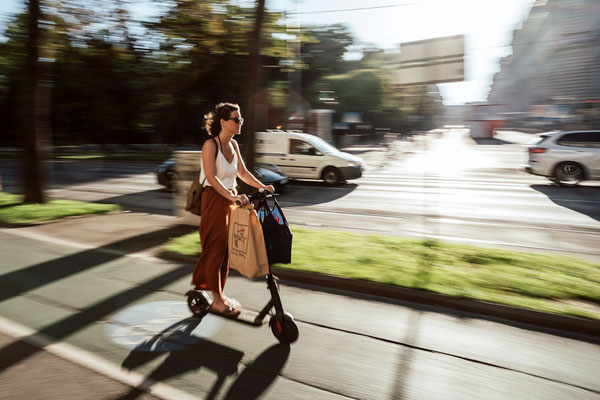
(198, 303)
(284, 328)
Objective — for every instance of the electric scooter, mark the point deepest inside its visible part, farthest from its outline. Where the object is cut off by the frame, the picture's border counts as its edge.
(281, 322)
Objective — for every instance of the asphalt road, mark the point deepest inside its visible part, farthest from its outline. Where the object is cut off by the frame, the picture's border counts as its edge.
(447, 187)
(115, 309)
(116, 317)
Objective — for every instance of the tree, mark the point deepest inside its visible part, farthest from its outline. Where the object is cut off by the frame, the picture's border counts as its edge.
(12, 61)
(359, 90)
(322, 52)
(31, 116)
(210, 60)
(112, 85)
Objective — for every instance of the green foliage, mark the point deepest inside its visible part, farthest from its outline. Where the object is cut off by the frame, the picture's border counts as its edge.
(555, 284)
(367, 87)
(114, 84)
(13, 211)
(188, 245)
(359, 90)
(9, 199)
(322, 51)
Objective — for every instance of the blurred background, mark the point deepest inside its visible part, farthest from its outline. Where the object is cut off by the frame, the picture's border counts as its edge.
(119, 75)
(133, 71)
(446, 180)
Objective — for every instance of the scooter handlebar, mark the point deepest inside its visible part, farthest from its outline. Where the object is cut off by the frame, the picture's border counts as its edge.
(258, 195)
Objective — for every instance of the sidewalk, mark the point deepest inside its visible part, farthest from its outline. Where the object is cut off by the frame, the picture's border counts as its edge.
(75, 382)
(142, 235)
(374, 329)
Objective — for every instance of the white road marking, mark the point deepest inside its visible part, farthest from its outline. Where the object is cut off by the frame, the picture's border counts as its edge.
(92, 362)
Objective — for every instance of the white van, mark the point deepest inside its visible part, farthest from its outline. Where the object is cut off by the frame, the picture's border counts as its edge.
(305, 156)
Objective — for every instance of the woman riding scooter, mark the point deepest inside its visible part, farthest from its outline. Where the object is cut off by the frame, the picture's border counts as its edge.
(221, 164)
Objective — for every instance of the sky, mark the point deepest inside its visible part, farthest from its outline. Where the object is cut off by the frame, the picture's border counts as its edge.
(487, 25)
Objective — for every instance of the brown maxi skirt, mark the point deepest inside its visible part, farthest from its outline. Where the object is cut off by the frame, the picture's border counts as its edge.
(212, 267)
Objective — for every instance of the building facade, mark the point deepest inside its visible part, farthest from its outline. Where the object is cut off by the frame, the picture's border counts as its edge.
(552, 78)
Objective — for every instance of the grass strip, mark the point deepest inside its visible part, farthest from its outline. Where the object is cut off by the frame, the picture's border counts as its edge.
(13, 211)
(556, 284)
(115, 157)
(81, 157)
(9, 199)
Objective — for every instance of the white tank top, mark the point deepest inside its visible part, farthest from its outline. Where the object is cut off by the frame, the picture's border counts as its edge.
(226, 172)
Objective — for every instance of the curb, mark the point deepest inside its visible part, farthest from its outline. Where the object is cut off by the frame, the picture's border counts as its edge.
(529, 317)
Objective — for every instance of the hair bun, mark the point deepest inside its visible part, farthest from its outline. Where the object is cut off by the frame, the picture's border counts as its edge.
(221, 111)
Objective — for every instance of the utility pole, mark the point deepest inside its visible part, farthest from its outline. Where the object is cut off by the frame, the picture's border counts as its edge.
(31, 123)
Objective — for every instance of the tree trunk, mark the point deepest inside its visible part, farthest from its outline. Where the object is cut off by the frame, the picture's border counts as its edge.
(33, 187)
(252, 122)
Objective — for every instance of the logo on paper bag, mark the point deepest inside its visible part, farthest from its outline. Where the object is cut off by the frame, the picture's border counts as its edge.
(239, 243)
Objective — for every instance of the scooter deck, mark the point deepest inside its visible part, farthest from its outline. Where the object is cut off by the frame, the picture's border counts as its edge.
(246, 316)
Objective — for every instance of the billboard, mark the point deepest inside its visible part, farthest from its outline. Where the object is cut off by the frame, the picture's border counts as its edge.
(430, 61)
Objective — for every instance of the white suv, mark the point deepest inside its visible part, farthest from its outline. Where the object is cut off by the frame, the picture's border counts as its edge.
(566, 158)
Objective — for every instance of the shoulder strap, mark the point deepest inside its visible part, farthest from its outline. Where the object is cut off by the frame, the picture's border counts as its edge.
(218, 145)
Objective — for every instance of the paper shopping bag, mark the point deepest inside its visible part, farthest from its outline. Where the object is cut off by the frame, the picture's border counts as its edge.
(247, 252)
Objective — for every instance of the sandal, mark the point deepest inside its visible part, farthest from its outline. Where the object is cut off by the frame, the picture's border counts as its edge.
(233, 302)
(229, 312)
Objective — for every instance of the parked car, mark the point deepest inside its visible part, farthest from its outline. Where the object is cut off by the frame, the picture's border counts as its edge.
(305, 156)
(269, 175)
(566, 158)
(167, 175)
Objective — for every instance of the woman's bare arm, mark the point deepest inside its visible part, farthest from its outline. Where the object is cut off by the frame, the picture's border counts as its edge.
(246, 175)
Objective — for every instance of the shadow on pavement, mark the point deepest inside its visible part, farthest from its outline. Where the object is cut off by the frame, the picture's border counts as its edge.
(198, 353)
(259, 374)
(406, 358)
(29, 278)
(582, 199)
(301, 193)
(201, 353)
(18, 282)
(58, 330)
(488, 141)
(147, 201)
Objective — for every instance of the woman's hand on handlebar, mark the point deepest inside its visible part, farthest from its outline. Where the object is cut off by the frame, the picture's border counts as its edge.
(269, 188)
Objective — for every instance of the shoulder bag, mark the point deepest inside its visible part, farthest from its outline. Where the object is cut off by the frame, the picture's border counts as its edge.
(194, 194)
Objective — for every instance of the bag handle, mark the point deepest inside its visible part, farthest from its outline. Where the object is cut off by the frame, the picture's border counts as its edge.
(275, 205)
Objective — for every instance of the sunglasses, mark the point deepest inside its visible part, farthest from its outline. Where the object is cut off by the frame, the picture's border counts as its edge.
(236, 120)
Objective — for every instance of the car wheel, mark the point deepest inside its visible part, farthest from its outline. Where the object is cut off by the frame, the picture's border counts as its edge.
(568, 174)
(171, 178)
(331, 176)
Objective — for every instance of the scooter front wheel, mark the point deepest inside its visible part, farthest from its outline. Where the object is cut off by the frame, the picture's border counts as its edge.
(198, 303)
(284, 328)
